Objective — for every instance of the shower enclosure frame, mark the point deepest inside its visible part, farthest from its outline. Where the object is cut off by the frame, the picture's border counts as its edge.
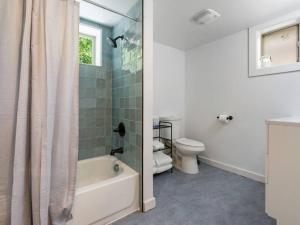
(111, 10)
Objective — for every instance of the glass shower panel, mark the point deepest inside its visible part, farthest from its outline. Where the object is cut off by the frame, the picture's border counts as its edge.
(127, 87)
(112, 92)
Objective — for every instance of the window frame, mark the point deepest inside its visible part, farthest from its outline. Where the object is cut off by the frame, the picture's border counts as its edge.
(95, 34)
(255, 48)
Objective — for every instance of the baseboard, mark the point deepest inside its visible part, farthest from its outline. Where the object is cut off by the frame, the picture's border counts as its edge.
(123, 216)
(234, 169)
(149, 204)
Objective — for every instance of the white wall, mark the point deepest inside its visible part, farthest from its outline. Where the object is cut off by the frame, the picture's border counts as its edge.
(148, 199)
(169, 81)
(217, 82)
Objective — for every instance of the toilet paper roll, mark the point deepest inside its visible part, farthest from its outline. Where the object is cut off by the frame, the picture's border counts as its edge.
(224, 118)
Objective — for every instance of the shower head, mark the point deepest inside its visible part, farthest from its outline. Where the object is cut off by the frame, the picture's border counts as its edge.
(113, 41)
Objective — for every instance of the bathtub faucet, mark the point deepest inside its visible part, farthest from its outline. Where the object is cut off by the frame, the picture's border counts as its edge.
(117, 150)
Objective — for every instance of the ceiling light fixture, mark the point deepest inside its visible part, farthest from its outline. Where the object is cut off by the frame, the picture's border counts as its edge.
(205, 16)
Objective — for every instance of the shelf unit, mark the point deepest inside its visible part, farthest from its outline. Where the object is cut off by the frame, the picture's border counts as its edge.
(167, 141)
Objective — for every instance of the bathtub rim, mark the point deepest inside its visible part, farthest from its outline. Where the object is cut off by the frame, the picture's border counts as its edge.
(127, 172)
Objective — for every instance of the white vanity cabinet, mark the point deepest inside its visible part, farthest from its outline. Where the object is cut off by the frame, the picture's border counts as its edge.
(283, 170)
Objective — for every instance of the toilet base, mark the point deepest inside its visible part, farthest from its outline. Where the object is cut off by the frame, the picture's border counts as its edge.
(189, 164)
(186, 164)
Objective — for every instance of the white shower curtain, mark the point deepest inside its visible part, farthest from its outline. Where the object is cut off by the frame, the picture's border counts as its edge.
(38, 110)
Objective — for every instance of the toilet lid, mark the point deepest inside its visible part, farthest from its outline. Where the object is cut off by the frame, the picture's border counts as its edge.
(189, 142)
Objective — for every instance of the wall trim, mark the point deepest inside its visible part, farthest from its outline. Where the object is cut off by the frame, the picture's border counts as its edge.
(149, 204)
(233, 169)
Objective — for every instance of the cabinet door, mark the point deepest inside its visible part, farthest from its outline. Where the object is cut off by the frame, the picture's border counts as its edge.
(283, 187)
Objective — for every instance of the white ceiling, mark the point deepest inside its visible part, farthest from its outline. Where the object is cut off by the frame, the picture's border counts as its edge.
(172, 24)
(96, 14)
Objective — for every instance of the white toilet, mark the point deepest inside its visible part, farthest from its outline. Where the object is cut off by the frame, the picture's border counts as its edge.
(186, 150)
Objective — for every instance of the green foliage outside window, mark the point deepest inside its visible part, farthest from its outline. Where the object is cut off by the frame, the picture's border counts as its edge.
(85, 50)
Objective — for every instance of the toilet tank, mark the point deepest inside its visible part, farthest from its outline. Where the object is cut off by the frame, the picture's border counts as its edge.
(176, 122)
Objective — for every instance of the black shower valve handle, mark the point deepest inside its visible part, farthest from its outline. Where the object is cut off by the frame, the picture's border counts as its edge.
(120, 129)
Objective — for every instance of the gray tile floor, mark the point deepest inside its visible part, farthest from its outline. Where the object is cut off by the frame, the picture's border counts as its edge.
(212, 197)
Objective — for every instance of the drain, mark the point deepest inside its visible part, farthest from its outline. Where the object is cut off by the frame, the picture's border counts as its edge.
(116, 168)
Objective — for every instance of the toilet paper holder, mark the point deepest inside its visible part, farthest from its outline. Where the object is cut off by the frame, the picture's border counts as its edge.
(229, 118)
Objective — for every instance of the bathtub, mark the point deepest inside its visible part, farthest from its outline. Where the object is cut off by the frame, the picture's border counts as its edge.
(106, 190)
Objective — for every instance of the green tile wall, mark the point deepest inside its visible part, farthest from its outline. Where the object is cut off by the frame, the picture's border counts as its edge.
(95, 103)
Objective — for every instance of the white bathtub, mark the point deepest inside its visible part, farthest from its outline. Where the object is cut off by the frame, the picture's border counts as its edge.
(103, 195)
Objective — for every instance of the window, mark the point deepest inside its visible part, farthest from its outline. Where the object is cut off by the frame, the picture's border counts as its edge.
(90, 39)
(280, 47)
(274, 46)
(87, 49)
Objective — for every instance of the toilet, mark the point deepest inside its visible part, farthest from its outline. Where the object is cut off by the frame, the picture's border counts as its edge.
(185, 150)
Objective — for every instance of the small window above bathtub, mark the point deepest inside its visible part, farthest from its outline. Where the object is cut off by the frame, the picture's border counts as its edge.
(90, 42)
(274, 46)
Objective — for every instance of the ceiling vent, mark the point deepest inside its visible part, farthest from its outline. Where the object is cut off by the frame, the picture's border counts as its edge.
(205, 16)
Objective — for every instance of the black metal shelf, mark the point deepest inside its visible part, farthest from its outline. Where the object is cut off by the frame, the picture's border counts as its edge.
(162, 149)
(161, 138)
(167, 141)
(161, 126)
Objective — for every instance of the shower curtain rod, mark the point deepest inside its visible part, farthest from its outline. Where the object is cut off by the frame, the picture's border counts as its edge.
(111, 10)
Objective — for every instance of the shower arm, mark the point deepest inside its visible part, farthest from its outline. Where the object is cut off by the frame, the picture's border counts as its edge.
(120, 37)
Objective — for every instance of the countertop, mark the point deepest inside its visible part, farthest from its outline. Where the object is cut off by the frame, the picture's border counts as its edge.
(291, 121)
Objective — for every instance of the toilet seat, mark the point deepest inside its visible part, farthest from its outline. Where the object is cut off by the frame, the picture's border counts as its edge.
(189, 142)
(188, 146)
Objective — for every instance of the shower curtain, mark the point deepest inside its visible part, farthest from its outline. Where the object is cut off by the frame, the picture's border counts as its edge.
(38, 110)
